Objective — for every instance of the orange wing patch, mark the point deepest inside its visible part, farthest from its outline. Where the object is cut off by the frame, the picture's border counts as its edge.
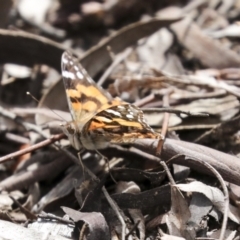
(91, 91)
(127, 123)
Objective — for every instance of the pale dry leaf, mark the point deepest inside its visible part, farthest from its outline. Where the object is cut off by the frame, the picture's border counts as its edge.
(36, 230)
(17, 71)
(155, 52)
(178, 215)
(199, 207)
(6, 202)
(214, 106)
(229, 31)
(95, 221)
(229, 234)
(31, 13)
(200, 45)
(212, 193)
(170, 237)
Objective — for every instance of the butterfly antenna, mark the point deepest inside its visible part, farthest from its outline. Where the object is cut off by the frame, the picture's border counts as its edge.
(35, 99)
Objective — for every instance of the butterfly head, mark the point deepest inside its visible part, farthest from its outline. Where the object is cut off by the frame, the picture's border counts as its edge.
(70, 129)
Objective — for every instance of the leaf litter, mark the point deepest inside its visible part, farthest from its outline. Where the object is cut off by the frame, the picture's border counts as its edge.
(186, 65)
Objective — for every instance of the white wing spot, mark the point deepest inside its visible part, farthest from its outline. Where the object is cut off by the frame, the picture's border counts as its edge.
(140, 119)
(103, 119)
(65, 73)
(64, 60)
(130, 116)
(68, 74)
(71, 62)
(114, 112)
(79, 75)
(121, 107)
(76, 68)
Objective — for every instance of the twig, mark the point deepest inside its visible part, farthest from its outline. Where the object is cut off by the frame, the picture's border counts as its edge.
(24, 210)
(32, 148)
(116, 209)
(44, 215)
(171, 180)
(172, 110)
(110, 52)
(165, 123)
(132, 229)
(144, 101)
(117, 60)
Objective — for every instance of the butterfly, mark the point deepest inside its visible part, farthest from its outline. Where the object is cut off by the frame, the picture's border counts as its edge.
(98, 118)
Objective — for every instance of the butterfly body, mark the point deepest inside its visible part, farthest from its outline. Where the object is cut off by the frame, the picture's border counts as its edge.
(98, 119)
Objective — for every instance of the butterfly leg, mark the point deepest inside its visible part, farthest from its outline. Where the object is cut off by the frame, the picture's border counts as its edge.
(81, 164)
(107, 161)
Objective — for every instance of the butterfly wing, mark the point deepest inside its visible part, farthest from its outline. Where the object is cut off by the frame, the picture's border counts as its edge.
(98, 118)
(120, 124)
(85, 98)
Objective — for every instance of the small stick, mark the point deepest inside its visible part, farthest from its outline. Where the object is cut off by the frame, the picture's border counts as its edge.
(118, 59)
(32, 148)
(24, 210)
(170, 177)
(116, 209)
(133, 228)
(165, 123)
(44, 215)
(172, 110)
